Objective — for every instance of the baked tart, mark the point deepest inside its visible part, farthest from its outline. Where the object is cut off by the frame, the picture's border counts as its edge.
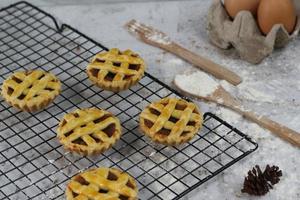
(30, 90)
(89, 131)
(102, 184)
(171, 121)
(116, 70)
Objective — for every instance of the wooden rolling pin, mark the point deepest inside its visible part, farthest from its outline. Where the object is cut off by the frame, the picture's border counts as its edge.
(159, 39)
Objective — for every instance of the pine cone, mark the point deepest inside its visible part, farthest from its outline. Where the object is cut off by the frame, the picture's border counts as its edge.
(255, 183)
(259, 183)
(272, 174)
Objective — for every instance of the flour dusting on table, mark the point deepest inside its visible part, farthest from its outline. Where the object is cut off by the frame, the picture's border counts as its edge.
(150, 33)
(253, 94)
(198, 83)
(159, 38)
(229, 115)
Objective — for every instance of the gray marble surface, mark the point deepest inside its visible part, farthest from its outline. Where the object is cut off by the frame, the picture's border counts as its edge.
(271, 88)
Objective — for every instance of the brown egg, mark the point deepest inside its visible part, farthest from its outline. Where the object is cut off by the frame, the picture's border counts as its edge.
(271, 12)
(233, 7)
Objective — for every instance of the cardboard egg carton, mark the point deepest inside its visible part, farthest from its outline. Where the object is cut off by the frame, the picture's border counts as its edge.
(244, 35)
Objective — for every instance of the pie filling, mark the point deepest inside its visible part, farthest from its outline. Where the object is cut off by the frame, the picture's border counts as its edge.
(103, 191)
(69, 133)
(135, 67)
(148, 123)
(22, 96)
(180, 107)
(100, 60)
(109, 76)
(80, 142)
(191, 123)
(184, 133)
(64, 122)
(116, 59)
(111, 176)
(173, 119)
(17, 79)
(81, 180)
(183, 107)
(28, 72)
(116, 64)
(94, 72)
(10, 91)
(129, 184)
(104, 117)
(74, 194)
(122, 197)
(110, 130)
(127, 77)
(154, 112)
(97, 140)
(49, 89)
(164, 132)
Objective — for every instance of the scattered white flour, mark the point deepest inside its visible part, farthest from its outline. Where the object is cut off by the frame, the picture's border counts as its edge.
(152, 153)
(220, 101)
(51, 161)
(251, 128)
(175, 61)
(159, 38)
(229, 115)
(198, 83)
(229, 87)
(255, 95)
(153, 34)
(246, 91)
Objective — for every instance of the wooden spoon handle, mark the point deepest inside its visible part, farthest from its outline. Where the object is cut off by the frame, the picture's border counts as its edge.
(283, 132)
(203, 63)
(228, 101)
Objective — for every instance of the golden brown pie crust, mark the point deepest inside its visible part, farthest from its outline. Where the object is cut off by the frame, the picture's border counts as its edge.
(115, 70)
(102, 183)
(171, 121)
(31, 90)
(89, 131)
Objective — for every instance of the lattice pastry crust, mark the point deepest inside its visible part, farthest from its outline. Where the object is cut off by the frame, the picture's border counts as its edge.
(89, 131)
(115, 70)
(171, 121)
(31, 90)
(102, 184)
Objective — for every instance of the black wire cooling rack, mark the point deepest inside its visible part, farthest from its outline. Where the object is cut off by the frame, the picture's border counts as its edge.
(33, 165)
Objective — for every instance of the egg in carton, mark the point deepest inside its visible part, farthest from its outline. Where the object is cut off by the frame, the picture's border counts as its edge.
(244, 34)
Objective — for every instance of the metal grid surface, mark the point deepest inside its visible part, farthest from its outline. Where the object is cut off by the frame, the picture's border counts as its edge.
(33, 165)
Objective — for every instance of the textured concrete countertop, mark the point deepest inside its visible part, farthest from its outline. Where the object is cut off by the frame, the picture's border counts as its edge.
(271, 88)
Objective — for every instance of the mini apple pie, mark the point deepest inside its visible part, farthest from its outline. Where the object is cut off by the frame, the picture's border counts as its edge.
(115, 70)
(171, 121)
(102, 184)
(31, 90)
(89, 131)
